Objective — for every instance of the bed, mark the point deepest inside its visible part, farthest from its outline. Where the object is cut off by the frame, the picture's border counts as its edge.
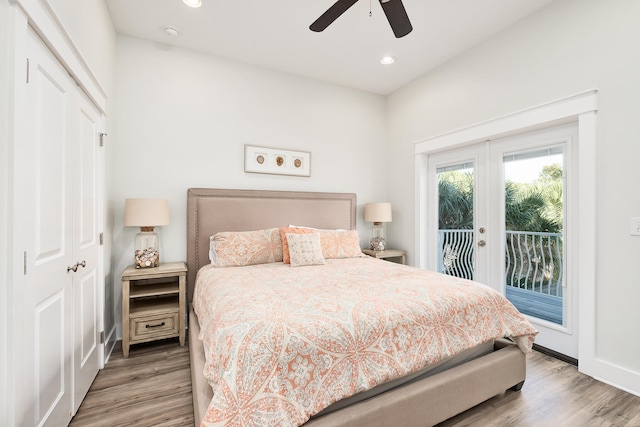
(428, 397)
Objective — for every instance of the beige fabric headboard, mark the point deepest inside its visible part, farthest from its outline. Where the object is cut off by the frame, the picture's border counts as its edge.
(213, 210)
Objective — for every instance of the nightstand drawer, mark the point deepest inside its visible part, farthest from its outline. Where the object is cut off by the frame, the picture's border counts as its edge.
(153, 326)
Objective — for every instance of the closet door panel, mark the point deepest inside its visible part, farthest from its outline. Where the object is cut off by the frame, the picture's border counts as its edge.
(86, 248)
(49, 101)
(51, 374)
(86, 164)
(46, 207)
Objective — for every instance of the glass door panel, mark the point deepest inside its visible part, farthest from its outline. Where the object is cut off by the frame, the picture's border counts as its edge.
(534, 222)
(456, 220)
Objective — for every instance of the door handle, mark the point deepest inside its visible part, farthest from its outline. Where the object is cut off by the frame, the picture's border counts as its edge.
(75, 266)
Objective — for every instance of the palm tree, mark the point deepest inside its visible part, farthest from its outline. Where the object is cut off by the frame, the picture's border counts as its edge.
(455, 190)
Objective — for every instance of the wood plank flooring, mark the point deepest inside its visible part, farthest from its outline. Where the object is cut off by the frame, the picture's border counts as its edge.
(153, 388)
(150, 388)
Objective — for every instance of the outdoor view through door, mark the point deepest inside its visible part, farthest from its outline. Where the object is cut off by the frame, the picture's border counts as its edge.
(456, 255)
(534, 256)
(533, 197)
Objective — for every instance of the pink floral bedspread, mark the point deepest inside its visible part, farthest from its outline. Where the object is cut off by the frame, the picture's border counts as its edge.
(283, 343)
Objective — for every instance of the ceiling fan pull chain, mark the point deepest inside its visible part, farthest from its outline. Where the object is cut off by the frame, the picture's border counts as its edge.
(370, 14)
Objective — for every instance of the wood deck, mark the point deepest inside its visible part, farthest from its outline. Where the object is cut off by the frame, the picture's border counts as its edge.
(547, 307)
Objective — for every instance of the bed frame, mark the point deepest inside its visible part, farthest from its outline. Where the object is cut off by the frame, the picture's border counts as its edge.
(420, 403)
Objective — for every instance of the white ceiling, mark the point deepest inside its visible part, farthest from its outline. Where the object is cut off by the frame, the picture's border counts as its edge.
(275, 34)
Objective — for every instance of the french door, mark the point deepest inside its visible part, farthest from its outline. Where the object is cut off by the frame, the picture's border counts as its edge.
(505, 218)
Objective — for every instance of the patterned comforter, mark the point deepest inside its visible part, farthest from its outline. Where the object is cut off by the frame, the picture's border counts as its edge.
(283, 343)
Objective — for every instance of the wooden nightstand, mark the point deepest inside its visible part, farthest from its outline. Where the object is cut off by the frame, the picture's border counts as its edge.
(398, 254)
(153, 304)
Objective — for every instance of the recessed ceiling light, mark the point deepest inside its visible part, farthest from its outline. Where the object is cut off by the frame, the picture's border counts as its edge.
(387, 60)
(171, 32)
(193, 3)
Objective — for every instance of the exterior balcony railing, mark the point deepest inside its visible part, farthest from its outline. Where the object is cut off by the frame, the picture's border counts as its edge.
(533, 274)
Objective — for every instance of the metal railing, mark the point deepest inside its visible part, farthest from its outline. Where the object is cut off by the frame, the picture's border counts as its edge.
(533, 260)
(455, 253)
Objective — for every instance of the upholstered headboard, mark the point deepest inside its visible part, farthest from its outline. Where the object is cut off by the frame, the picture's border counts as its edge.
(212, 210)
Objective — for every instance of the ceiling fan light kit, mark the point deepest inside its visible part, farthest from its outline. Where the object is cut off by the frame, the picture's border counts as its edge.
(393, 9)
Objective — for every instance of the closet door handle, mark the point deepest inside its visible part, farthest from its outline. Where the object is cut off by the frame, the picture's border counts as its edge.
(75, 266)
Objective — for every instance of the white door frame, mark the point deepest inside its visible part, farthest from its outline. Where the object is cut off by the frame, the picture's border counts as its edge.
(582, 108)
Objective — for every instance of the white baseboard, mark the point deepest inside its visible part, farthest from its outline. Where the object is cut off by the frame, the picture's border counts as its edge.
(616, 376)
(110, 343)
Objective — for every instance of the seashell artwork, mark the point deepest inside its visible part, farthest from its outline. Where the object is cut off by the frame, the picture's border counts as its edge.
(276, 161)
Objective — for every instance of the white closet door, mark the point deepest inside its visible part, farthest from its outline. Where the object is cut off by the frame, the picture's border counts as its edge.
(61, 312)
(47, 305)
(86, 248)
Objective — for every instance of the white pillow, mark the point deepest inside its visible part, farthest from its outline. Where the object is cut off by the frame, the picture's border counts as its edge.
(305, 249)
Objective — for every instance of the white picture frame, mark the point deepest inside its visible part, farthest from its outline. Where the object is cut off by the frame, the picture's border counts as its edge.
(276, 161)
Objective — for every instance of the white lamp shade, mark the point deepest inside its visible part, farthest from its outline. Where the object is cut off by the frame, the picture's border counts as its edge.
(146, 212)
(377, 212)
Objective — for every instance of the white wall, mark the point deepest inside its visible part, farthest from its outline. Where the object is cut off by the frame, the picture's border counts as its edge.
(568, 47)
(5, 167)
(183, 119)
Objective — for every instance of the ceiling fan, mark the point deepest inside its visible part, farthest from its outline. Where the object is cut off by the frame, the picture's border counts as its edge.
(394, 9)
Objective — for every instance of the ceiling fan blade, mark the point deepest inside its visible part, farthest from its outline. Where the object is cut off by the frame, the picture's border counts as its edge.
(333, 13)
(397, 17)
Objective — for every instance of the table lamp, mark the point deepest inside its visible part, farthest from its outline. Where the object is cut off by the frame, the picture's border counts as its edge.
(377, 213)
(146, 214)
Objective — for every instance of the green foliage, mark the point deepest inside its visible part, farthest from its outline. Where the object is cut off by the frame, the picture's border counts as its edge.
(528, 207)
(455, 191)
(532, 207)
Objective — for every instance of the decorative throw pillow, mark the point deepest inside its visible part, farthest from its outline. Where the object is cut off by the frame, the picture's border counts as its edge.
(304, 249)
(340, 244)
(285, 244)
(238, 248)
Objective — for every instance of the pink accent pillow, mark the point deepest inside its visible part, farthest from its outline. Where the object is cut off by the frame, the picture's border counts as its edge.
(285, 244)
(238, 248)
(340, 244)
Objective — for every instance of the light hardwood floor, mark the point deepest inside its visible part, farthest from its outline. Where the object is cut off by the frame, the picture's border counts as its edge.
(153, 388)
(150, 388)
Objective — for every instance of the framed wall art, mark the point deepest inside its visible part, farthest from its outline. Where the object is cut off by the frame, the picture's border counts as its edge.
(276, 161)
